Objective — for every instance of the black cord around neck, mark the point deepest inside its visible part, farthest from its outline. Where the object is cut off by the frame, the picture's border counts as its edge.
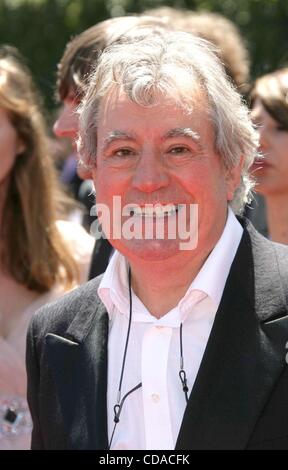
(120, 402)
(182, 373)
(127, 337)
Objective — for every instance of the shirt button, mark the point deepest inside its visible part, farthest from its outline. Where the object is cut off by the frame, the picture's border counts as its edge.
(155, 397)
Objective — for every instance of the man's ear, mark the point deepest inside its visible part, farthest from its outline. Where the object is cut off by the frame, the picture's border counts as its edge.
(233, 179)
(84, 173)
(94, 174)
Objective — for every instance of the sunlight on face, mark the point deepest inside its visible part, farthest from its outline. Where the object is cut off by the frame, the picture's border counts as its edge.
(161, 155)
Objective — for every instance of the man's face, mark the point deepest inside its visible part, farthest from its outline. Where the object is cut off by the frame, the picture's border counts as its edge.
(161, 156)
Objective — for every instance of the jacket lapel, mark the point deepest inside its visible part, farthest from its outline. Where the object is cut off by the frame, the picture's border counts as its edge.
(78, 363)
(245, 353)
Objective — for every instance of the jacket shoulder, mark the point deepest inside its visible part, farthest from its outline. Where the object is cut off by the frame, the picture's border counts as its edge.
(56, 316)
(270, 261)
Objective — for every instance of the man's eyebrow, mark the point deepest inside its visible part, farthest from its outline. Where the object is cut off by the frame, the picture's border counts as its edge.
(182, 132)
(116, 135)
(177, 132)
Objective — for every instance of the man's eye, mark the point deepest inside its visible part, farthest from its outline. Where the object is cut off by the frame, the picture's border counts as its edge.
(178, 150)
(123, 152)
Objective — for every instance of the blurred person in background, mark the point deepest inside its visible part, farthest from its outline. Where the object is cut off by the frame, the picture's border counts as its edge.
(220, 31)
(269, 101)
(41, 257)
(74, 70)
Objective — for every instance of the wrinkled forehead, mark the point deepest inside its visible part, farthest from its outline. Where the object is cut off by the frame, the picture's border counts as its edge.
(121, 118)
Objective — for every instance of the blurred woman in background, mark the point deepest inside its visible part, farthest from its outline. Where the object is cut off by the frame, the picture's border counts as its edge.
(269, 99)
(40, 257)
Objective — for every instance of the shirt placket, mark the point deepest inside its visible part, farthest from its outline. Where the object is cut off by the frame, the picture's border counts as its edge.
(157, 419)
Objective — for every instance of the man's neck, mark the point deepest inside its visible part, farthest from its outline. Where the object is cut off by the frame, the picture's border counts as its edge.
(161, 285)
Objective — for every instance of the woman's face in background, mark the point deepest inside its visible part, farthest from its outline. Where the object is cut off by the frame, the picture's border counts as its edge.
(271, 173)
(10, 146)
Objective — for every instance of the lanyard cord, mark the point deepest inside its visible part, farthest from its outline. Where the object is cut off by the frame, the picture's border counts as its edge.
(118, 409)
(182, 374)
(120, 403)
(127, 339)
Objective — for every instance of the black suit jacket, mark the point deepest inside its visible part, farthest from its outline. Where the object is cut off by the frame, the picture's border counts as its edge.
(240, 396)
(100, 257)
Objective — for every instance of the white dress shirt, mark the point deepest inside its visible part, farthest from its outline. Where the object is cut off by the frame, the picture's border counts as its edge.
(151, 416)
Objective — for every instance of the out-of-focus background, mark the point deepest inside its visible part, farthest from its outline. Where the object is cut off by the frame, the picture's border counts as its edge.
(41, 28)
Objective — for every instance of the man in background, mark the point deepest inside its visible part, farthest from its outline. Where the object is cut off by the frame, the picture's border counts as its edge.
(220, 31)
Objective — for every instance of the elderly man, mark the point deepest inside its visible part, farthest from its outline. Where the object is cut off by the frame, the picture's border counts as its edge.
(171, 347)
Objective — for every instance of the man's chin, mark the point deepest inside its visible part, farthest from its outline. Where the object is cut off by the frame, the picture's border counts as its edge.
(149, 250)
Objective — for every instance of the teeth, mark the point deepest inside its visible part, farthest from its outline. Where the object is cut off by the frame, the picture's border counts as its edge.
(154, 211)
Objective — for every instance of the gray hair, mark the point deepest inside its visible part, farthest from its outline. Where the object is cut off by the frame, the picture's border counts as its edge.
(146, 67)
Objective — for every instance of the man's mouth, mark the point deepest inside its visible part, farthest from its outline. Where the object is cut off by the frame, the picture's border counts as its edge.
(153, 211)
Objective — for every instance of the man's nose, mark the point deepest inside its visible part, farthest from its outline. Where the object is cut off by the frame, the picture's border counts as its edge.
(150, 174)
(66, 124)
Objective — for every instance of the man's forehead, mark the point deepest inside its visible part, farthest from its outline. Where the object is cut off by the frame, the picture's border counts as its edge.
(120, 117)
(117, 102)
(165, 120)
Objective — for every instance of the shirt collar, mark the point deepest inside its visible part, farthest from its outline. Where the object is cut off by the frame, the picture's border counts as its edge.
(113, 289)
(212, 277)
(209, 282)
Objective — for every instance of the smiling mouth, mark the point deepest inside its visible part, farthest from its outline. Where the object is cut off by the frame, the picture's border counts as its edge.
(155, 212)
